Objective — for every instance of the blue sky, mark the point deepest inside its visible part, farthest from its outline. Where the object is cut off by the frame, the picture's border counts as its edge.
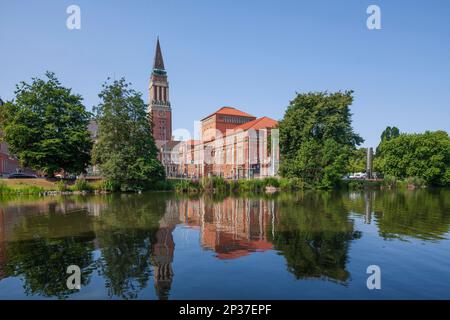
(254, 55)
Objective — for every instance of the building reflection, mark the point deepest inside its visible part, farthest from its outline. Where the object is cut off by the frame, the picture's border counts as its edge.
(232, 228)
(163, 250)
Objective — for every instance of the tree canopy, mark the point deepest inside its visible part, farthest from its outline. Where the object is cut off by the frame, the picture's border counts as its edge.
(46, 127)
(317, 139)
(388, 134)
(358, 160)
(125, 151)
(425, 155)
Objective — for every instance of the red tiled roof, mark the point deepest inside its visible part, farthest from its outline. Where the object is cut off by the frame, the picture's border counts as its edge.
(260, 123)
(231, 112)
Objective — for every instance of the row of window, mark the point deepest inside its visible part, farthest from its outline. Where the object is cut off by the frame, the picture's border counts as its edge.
(232, 119)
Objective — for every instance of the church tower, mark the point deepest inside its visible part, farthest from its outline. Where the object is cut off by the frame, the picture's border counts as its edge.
(159, 103)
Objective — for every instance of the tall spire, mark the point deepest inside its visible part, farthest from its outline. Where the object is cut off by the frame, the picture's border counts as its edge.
(159, 62)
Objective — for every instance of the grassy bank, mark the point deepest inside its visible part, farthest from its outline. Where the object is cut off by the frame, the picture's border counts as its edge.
(43, 186)
(214, 185)
(40, 186)
(220, 185)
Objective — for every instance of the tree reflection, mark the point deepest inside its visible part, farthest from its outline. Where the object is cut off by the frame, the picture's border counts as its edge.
(41, 258)
(313, 233)
(421, 214)
(125, 233)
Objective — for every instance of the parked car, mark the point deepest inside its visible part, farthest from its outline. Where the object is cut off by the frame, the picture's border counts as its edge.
(21, 176)
(358, 175)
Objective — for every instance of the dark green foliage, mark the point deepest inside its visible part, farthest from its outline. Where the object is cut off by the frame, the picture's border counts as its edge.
(358, 160)
(388, 134)
(424, 156)
(125, 152)
(317, 139)
(46, 127)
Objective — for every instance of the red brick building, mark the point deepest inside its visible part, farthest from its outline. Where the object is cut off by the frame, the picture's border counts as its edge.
(233, 145)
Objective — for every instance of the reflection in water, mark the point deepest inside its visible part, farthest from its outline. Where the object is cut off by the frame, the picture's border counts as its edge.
(233, 227)
(421, 214)
(127, 240)
(314, 234)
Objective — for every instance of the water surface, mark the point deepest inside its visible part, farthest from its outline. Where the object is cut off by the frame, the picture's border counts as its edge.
(310, 245)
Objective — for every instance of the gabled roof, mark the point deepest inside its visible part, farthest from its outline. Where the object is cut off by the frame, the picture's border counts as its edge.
(260, 123)
(230, 111)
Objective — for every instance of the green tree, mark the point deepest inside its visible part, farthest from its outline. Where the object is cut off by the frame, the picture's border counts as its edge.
(358, 160)
(317, 139)
(388, 134)
(125, 151)
(425, 155)
(46, 127)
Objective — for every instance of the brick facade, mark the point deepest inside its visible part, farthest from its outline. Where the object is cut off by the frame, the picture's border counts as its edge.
(233, 145)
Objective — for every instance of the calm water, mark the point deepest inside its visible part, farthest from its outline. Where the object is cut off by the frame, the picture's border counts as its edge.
(312, 245)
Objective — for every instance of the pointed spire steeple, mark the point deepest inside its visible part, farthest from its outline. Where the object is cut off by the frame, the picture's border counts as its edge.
(159, 62)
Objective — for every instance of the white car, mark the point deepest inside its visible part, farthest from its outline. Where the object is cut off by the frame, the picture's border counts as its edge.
(358, 175)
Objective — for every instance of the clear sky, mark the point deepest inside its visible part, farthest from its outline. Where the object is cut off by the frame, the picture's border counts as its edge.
(254, 55)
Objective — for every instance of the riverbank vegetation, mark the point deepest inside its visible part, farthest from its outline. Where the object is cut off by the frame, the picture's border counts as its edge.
(420, 158)
(220, 185)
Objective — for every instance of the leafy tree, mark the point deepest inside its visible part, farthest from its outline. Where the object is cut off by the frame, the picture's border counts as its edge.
(46, 127)
(425, 155)
(388, 134)
(125, 150)
(317, 139)
(358, 160)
